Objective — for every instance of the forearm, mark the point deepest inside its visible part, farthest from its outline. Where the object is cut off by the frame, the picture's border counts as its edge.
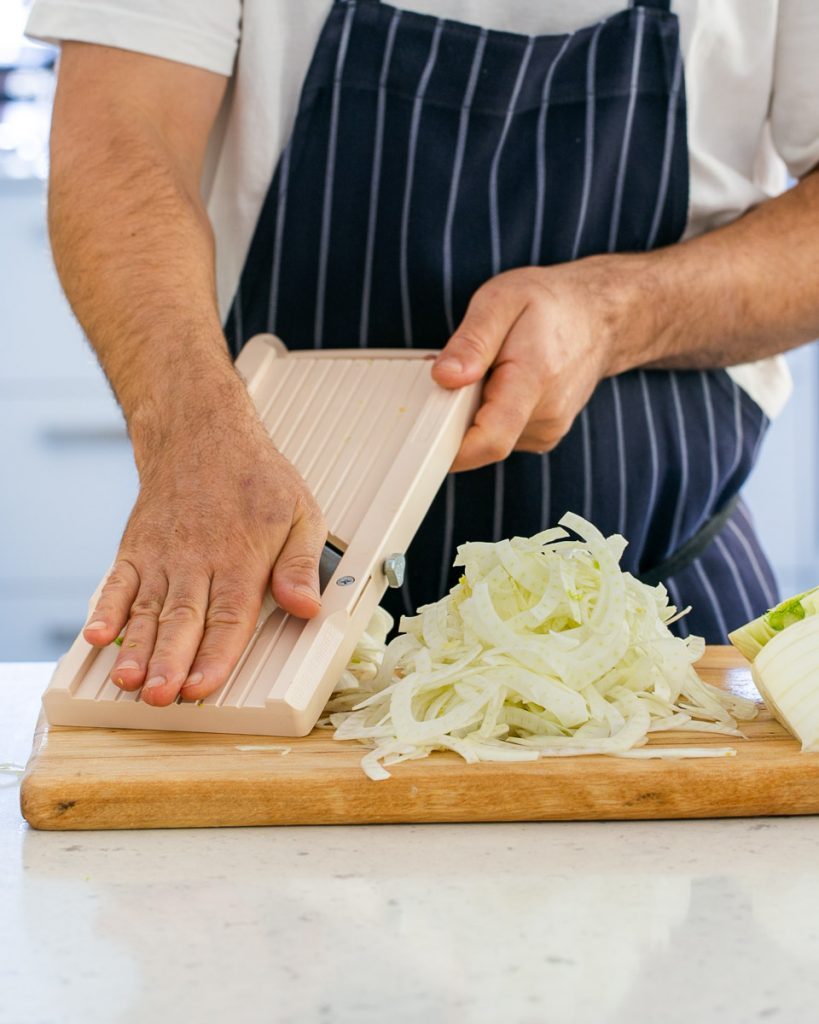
(134, 251)
(740, 293)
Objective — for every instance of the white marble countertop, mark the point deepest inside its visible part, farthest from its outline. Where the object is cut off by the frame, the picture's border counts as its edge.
(569, 923)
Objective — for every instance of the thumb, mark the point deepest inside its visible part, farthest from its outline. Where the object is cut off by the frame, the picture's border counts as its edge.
(295, 582)
(474, 346)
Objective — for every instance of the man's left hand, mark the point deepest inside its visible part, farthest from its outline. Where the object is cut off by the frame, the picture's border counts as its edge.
(546, 336)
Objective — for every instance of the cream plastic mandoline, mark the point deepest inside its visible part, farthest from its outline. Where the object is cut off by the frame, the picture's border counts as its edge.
(373, 436)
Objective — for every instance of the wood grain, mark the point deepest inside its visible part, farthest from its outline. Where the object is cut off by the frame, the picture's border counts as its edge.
(113, 779)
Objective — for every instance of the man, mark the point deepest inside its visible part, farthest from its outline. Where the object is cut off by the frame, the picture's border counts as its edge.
(508, 182)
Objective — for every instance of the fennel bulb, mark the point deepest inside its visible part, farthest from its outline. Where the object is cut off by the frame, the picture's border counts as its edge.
(783, 648)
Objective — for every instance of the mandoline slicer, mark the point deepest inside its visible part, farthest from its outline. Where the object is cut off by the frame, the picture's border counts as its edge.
(374, 437)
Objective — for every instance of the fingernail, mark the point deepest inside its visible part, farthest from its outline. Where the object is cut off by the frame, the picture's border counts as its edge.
(193, 680)
(126, 665)
(450, 364)
(156, 681)
(97, 624)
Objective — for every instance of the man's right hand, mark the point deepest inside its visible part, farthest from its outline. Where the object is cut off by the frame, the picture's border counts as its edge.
(221, 516)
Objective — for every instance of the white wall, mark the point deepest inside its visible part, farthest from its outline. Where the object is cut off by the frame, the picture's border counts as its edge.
(782, 492)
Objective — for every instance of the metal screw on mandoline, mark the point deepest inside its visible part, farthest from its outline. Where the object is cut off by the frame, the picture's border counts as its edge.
(395, 569)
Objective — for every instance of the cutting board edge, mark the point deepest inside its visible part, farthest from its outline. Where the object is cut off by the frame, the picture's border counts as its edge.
(729, 790)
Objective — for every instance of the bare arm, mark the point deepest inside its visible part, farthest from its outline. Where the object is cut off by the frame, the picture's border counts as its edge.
(740, 293)
(220, 514)
(131, 240)
(743, 292)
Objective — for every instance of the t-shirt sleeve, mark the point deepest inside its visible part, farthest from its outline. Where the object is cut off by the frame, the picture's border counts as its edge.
(795, 99)
(205, 35)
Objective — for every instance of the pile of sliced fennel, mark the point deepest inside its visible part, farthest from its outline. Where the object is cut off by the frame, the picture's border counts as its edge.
(544, 648)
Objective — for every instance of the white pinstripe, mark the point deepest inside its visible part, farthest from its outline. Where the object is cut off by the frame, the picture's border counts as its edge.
(413, 143)
(652, 443)
(587, 463)
(712, 445)
(588, 160)
(494, 219)
(764, 586)
(728, 558)
(237, 318)
(621, 456)
(738, 431)
(668, 146)
(545, 491)
(329, 174)
(281, 213)
(449, 529)
(460, 147)
(497, 513)
(375, 180)
(676, 523)
(632, 101)
(403, 264)
(613, 230)
(712, 597)
(406, 597)
(540, 153)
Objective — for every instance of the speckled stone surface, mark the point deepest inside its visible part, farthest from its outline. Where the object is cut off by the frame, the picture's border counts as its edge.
(565, 923)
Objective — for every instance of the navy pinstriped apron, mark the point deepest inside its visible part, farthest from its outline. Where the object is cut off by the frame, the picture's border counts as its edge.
(429, 155)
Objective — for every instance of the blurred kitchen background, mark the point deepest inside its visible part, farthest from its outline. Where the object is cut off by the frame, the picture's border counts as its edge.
(67, 480)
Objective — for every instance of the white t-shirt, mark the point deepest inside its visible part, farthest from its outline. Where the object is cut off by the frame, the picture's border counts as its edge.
(752, 83)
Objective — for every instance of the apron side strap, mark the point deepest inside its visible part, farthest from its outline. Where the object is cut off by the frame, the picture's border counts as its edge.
(693, 547)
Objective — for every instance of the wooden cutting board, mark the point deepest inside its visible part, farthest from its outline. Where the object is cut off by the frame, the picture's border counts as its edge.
(109, 779)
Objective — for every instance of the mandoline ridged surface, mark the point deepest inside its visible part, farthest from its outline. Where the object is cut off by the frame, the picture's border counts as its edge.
(341, 422)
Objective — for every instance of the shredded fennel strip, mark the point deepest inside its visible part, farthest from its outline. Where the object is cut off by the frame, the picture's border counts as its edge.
(545, 648)
(15, 771)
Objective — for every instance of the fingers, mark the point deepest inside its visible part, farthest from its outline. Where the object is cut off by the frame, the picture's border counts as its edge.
(473, 348)
(187, 640)
(509, 397)
(131, 667)
(111, 610)
(229, 624)
(295, 582)
(185, 634)
(179, 630)
(532, 328)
